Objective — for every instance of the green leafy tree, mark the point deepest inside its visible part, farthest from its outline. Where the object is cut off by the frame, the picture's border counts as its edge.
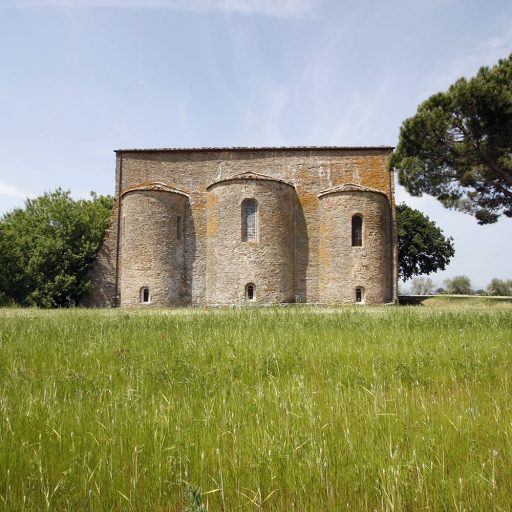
(422, 246)
(422, 286)
(501, 287)
(48, 247)
(459, 285)
(458, 146)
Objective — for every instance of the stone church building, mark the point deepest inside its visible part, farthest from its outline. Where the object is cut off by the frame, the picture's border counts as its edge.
(214, 226)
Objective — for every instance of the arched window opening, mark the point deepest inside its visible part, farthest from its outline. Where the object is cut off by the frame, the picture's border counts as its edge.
(359, 295)
(357, 231)
(144, 295)
(249, 220)
(250, 291)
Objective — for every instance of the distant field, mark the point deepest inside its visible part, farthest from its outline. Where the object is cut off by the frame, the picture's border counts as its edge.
(283, 409)
(455, 300)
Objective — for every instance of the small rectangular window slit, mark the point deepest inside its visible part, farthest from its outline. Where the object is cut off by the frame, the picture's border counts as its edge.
(357, 231)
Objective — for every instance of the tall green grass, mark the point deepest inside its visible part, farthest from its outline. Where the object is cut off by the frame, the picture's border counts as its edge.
(279, 409)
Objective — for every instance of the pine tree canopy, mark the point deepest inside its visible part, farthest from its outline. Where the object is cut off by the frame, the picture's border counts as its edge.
(458, 146)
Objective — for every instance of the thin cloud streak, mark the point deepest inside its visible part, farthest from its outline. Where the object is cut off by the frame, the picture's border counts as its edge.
(486, 53)
(275, 8)
(10, 191)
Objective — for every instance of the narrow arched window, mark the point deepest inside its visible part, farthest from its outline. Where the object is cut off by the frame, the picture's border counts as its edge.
(359, 294)
(357, 231)
(250, 291)
(144, 295)
(249, 220)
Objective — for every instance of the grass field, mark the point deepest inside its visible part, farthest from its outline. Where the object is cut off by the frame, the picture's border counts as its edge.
(360, 409)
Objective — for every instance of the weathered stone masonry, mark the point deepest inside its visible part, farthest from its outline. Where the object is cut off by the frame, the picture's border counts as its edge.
(176, 236)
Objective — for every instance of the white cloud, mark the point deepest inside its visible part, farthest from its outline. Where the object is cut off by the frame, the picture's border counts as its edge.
(9, 190)
(279, 8)
(485, 53)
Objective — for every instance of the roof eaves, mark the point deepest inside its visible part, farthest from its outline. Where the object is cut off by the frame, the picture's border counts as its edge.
(261, 148)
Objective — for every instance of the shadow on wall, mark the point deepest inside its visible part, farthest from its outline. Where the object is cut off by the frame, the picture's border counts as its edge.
(190, 254)
(301, 252)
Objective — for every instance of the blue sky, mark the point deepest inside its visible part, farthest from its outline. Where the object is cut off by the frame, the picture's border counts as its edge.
(79, 78)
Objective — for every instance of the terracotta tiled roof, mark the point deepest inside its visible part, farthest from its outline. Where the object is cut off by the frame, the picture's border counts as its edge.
(153, 185)
(349, 187)
(249, 176)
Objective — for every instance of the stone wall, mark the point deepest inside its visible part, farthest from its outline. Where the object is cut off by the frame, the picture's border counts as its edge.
(344, 267)
(268, 262)
(152, 251)
(309, 170)
(103, 272)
